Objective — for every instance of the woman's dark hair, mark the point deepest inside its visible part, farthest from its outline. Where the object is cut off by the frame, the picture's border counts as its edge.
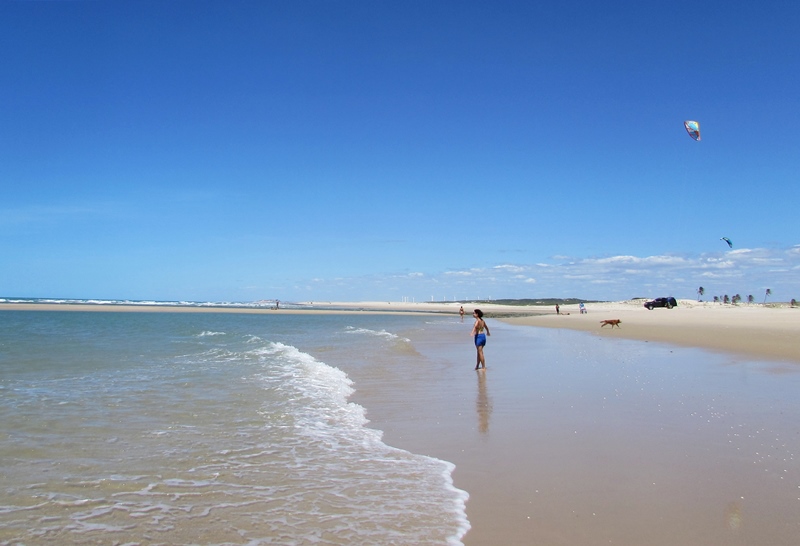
(479, 313)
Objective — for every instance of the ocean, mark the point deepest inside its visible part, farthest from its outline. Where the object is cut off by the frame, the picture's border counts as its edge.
(209, 428)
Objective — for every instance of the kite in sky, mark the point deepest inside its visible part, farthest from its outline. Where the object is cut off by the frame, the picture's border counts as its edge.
(730, 244)
(693, 128)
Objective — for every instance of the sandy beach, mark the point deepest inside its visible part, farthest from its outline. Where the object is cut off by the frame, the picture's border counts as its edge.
(763, 331)
(591, 436)
(679, 427)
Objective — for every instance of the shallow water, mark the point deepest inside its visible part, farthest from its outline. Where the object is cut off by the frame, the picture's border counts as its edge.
(161, 428)
(238, 429)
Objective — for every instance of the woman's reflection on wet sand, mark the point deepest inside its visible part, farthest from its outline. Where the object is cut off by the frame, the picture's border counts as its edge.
(483, 403)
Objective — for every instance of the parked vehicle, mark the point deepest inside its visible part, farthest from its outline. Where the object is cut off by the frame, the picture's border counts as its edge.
(669, 303)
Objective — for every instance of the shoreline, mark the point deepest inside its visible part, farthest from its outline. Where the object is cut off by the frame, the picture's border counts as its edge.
(568, 437)
(333, 309)
(753, 330)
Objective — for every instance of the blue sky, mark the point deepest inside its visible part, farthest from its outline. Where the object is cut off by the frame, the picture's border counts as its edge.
(362, 150)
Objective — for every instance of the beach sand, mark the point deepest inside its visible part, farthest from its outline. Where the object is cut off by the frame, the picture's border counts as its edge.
(680, 427)
(755, 330)
(588, 438)
(759, 331)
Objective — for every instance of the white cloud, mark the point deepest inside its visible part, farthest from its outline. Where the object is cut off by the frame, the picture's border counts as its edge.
(637, 261)
(718, 265)
(609, 277)
(459, 273)
(511, 268)
(614, 259)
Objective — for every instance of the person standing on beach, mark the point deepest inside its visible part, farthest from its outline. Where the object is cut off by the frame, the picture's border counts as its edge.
(461, 313)
(480, 337)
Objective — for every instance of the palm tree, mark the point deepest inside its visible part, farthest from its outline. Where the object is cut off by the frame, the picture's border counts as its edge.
(700, 292)
(750, 298)
(767, 294)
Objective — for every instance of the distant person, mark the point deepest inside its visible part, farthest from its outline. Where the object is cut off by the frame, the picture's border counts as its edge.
(558, 310)
(461, 313)
(480, 337)
(582, 308)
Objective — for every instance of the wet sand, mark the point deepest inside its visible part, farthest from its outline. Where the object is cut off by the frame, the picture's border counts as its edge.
(570, 438)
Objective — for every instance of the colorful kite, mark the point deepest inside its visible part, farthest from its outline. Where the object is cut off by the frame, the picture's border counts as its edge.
(693, 128)
(730, 244)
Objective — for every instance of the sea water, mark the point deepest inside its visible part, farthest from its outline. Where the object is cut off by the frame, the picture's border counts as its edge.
(207, 428)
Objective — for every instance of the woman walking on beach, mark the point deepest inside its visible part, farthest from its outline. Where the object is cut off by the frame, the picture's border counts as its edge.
(480, 337)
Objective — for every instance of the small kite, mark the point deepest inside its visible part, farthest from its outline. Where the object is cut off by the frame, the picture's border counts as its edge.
(730, 244)
(693, 128)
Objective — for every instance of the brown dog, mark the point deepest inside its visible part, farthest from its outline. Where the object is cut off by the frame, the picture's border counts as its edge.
(612, 322)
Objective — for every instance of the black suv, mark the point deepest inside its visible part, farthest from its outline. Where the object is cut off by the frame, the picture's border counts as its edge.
(669, 303)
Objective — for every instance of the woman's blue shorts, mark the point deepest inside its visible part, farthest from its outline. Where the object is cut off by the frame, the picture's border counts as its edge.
(480, 340)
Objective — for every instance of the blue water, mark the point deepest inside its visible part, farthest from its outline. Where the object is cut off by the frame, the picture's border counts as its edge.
(207, 428)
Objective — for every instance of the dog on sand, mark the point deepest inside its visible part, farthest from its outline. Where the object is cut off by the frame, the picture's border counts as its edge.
(612, 322)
